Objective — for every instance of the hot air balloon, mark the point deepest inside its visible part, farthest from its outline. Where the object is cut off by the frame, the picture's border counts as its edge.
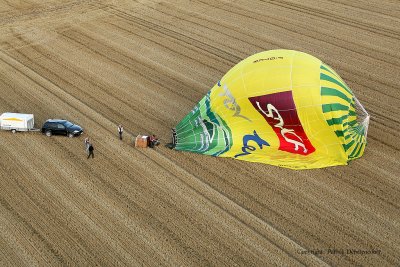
(279, 107)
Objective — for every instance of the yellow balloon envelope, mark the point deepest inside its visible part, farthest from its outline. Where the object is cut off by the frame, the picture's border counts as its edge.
(279, 107)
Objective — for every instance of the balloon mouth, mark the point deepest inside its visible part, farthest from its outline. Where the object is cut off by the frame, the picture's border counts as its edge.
(174, 136)
(173, 143)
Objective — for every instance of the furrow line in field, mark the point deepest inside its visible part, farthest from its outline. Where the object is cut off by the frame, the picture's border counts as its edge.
(212, 50)
(125, 61)
(363, 5)
(295, 28)
(336, 18)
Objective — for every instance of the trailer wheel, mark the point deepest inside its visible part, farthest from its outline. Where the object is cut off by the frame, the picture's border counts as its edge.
(13, 131)
(48, 133)
(70, 135)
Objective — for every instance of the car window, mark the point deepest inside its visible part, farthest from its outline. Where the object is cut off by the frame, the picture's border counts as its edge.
(60, 126)
(67, 124)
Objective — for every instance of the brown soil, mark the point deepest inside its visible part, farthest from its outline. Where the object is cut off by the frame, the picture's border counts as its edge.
(145, 64)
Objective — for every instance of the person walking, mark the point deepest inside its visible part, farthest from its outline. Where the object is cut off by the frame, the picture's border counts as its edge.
(120, 131)
(90, 151)
(86, 142)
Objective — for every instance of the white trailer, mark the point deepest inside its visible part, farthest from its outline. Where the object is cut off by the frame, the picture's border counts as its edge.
(17, 122)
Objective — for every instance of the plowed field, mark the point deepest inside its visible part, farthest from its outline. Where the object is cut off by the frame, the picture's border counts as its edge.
(145, 64)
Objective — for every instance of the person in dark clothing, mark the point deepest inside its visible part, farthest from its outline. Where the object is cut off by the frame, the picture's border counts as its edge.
(153, 141)
(90, 151)
(120, 131)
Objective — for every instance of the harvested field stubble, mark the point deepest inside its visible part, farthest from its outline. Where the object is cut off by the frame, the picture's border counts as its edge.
(145, 64)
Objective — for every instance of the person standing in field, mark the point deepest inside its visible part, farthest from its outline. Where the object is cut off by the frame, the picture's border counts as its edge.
(120, 131)
(90, 151)
(86, 142)
(153, 141)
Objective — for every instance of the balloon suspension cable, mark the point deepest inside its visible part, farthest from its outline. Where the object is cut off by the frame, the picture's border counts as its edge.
(362, 117)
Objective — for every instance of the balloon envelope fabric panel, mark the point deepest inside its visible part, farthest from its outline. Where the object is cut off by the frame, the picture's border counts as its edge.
(279, 107)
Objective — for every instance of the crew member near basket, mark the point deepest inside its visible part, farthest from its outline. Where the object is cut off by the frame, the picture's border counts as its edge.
(120, 131)
(86, 142)
(90, 151)
(153, 141)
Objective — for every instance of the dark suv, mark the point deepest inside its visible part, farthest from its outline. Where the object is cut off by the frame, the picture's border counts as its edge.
(61, 127)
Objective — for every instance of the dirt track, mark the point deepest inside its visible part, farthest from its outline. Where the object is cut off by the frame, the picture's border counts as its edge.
(145, 64)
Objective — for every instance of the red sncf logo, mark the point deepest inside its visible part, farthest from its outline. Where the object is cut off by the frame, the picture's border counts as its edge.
(280, 112)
